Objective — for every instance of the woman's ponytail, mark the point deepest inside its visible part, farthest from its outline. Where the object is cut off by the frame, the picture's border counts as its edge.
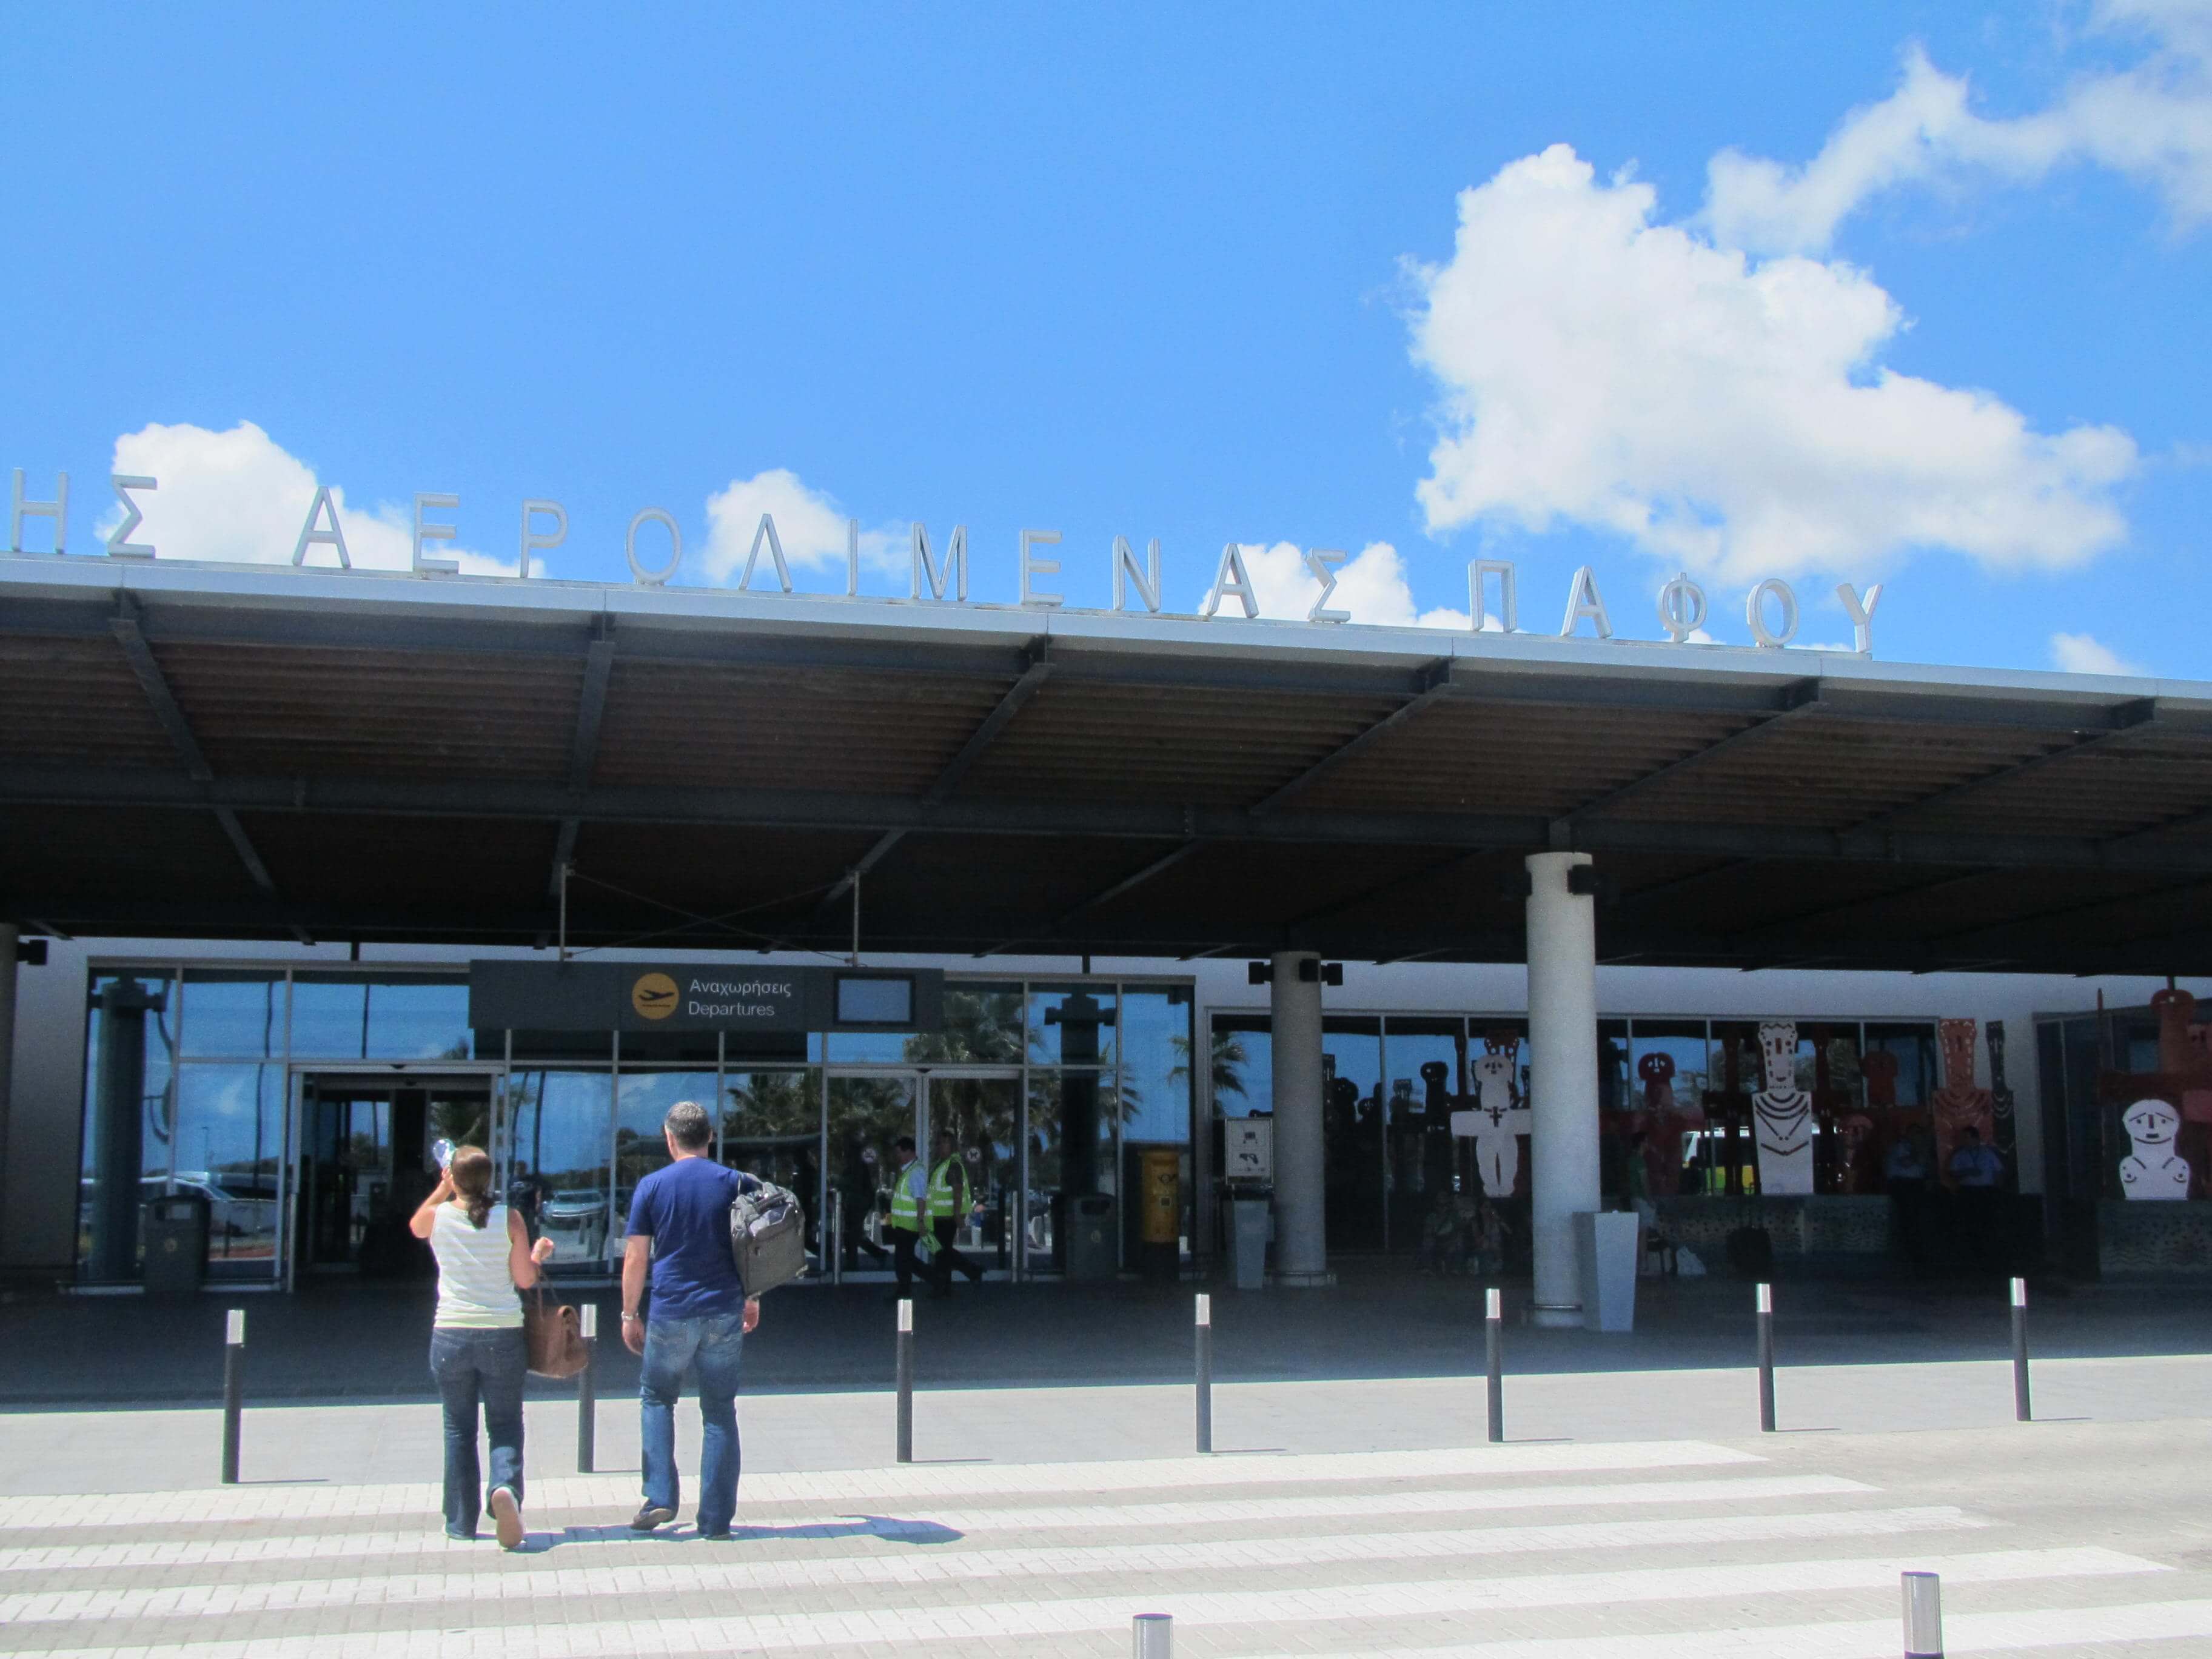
(472, 1173)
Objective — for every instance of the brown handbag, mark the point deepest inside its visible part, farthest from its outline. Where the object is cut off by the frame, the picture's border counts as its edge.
(556, 1339)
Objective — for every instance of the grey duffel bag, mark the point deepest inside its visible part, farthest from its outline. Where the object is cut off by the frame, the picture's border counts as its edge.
(768, 1235)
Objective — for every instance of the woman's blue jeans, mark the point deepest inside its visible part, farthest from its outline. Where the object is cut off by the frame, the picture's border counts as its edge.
(672, 1346)
(473, 1369)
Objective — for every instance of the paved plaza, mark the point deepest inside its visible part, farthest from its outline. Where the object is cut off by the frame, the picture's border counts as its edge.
(1634, 1510)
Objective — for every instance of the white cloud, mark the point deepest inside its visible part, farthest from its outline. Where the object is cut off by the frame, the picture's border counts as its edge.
(2151, 121)
(811, 525)
(2084, 653)
(1724, 414)
(1371, 584)
(238, 497)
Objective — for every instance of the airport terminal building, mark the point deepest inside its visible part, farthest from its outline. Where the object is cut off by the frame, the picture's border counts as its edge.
(302, 870)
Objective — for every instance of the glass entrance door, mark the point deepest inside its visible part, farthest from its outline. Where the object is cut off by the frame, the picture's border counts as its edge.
(868, 1111)
(365, 1164)
(982, 1114)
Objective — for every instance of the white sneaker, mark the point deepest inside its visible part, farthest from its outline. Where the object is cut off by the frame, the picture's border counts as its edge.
(506, 1517)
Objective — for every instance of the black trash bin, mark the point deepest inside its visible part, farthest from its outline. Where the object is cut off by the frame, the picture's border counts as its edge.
(176, 1244)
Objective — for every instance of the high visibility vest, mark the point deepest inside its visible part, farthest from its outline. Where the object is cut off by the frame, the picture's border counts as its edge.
(944, 1196)
(904, 1211)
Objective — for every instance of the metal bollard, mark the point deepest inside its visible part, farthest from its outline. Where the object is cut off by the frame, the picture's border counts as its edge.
(1493, 1344)
(1153, 1635)
(1923, 1616)
(1765, 1305)
(587, 1390)
(233, 1389)
(1205, 1339)
(2020, 1410)
(906, 1380)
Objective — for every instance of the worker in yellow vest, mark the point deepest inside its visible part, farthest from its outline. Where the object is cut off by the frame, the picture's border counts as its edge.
(910, 1208)
(948, 1207)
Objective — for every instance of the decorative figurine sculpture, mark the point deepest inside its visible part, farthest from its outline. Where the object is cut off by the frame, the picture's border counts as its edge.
(1665, 1122)
(1499, 1120)
(1854, 1176)
(2154, 1170)
(1958, 1103)
(2007, 1122)
(1782, 1113)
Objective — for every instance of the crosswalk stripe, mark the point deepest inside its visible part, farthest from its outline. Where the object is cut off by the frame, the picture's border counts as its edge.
(982, 1480)
(559, 1579)
(1869, 1639)
(1365, 1601)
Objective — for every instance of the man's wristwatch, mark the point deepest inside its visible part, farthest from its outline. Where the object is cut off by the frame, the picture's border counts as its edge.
(632, 1318)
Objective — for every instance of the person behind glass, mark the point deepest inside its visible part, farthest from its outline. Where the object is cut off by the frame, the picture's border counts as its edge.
(909, 1207)
(1976, 1170)
(478, 1353)
(1904, 1176)
(949, 1203)
(700, 1315)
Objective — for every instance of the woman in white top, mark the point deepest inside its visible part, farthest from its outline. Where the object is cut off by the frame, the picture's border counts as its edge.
(478, 1353)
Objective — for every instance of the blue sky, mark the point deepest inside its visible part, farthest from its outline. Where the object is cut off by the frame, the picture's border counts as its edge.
(1186, 273)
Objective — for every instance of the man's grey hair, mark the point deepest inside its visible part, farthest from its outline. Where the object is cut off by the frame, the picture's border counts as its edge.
(689, 1126)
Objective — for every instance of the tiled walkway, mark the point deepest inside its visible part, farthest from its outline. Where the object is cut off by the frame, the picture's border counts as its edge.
(1781, 1547)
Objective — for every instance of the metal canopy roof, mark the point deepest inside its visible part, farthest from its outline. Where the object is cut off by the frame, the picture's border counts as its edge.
(238, 751)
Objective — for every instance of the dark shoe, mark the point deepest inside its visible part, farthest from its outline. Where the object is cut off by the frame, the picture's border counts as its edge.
(940, 1292)
(506, 1518)
(461, 1537)
(715, 1535)
(651, 1516)
(975, 1275)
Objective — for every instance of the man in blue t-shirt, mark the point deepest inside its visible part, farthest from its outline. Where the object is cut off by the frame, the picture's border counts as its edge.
(680, 1226)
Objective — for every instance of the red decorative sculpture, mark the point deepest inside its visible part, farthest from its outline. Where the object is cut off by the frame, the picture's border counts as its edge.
(1958, 1103)
(1878, 1068)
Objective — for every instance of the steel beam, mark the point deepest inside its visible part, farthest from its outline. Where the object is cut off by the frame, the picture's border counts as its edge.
(2129, 720)
(1036, 669)
(584, 743)
(1436, 685)
(1128, 883)
(126, 627)
(1800, 699)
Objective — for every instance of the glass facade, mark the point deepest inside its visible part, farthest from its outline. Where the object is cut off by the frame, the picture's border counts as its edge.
(305, 1104)
(1674, 1097)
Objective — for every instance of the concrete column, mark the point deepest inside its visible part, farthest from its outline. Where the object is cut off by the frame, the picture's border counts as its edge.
(1563, 1176)
(1301, 1224)
(9, 934)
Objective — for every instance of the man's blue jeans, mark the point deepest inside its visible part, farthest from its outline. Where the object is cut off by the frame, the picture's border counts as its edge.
(479, 1368)
(672, 1346)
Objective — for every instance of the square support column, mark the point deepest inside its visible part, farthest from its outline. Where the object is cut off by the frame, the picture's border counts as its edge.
(1563, 1176)
(10, 935)
(1301, 1217)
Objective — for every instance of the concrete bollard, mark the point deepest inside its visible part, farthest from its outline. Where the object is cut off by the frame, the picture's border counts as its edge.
(587, 1390)
(233, 1389)
(1204, 1316)
(1493, 1344)
(1764, 1303)
(2020, 1410)
(906, 1380)
(1153, 1635)
(1923, 1616)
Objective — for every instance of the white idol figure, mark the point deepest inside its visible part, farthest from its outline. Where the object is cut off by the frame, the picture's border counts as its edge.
(1782, 1113)
(1499, 1123)
(2152, 1169)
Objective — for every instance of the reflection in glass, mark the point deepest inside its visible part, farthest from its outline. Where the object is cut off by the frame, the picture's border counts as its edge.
(1424, 1063)
(1352, 1130)
(1242, 1065)
(352, 1016)
(982, 1027)
(642, 1103)
(1155, 1047)
(233, 1015)
(980, 1115)
(1911, 1082)
(1669, 1059)
(129, 1116)
(867, 1114)
(230, 1140)
(560, 1129)
(1072, 1024)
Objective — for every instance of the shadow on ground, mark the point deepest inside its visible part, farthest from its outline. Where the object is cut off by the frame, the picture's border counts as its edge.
(367, 1341)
